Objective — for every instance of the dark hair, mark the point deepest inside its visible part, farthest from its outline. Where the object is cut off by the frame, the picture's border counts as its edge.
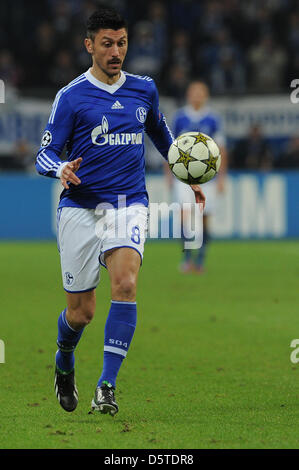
(104, 18)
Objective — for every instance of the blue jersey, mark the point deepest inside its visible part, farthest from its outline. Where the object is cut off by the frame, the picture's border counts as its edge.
(105, 125)
(205, 120)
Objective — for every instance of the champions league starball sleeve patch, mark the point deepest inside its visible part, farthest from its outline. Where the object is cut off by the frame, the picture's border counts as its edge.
(46, 139)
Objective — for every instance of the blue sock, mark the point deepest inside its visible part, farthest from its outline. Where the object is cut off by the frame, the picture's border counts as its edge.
(119, 331)
(200, 258)
(67, 341)
(187, 255)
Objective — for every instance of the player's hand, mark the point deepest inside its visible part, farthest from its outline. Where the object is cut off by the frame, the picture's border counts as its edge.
(199, 195)
(68, 173)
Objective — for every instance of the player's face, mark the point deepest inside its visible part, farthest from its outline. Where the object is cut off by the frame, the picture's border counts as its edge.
(197, 95)
(109, 49)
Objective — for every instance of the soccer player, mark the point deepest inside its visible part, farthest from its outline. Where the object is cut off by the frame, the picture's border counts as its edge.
(101, 117)
(197, 116)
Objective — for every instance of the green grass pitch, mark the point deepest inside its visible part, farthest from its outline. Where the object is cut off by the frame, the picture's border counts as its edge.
(209, 366)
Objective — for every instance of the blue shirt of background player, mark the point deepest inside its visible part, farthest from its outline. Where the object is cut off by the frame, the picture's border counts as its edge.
(187, 119)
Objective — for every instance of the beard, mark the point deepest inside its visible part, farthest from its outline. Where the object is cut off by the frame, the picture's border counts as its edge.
(107, 68)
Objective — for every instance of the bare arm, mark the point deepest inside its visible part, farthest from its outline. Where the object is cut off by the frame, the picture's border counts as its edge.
(199, 195)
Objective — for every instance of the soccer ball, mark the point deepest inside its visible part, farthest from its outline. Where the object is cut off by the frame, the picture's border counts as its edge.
(194, 158)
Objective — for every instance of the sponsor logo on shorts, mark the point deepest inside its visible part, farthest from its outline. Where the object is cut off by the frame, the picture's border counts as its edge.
(69, 278)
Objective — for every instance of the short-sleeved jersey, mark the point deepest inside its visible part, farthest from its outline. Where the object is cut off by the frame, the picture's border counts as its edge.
(205, 120)
(105, 125)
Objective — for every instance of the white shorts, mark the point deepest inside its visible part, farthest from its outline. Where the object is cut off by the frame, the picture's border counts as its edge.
(84, 236)
(183, 193)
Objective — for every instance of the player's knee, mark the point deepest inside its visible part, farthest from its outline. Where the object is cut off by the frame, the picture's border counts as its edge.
(82, 315)
(87, 316)
(124, 288)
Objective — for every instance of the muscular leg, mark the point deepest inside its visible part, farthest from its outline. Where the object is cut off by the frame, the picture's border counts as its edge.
(123, 266)
(71, 323)
(80, 308)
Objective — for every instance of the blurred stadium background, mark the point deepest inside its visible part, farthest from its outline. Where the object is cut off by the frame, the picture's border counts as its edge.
(246, 51)
(226, 334)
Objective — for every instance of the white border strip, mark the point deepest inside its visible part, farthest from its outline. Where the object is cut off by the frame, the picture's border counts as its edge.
(48, 159)
(115, 350)
(39, 161)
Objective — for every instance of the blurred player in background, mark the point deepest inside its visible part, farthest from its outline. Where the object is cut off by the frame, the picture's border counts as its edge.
(197, 116)
(101, 116)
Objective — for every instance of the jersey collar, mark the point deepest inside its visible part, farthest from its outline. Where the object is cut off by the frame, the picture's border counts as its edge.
(103, 86)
